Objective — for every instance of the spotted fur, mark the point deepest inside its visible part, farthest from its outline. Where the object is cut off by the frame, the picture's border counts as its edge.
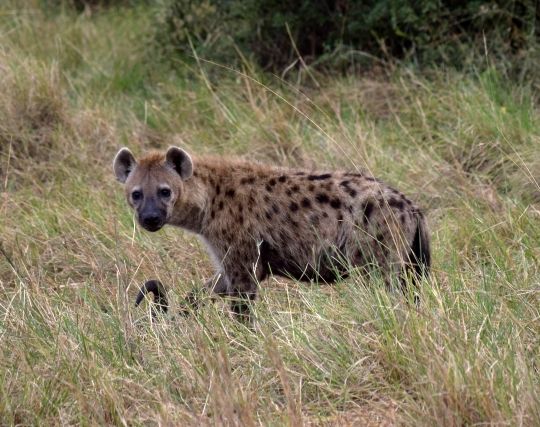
(258, 220)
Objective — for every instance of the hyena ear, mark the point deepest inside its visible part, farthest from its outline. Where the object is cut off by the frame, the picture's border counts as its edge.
(180, 161)
(123, 164)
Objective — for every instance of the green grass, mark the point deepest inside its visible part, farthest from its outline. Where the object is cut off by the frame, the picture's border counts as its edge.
(74, 350)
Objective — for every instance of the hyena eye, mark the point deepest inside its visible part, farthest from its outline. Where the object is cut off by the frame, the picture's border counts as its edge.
(165, 192)
(136, 195)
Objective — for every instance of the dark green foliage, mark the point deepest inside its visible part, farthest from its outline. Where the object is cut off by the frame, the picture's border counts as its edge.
(428, 31)
(82, 5)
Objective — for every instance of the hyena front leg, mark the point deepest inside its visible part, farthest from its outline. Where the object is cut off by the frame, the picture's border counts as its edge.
(218, 285)
(243, 288)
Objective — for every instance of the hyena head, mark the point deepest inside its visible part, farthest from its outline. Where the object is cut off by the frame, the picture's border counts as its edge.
(153, 184)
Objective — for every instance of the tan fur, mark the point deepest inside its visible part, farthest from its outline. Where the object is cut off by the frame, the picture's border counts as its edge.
(258, 219)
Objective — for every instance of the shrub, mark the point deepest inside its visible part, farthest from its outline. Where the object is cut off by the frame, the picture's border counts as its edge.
(82, 5)
(275, 32)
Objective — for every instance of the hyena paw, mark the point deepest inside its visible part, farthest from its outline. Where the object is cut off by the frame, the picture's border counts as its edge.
(161, 304)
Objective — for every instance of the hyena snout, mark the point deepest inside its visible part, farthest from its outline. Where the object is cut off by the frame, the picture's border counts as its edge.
(152, 220)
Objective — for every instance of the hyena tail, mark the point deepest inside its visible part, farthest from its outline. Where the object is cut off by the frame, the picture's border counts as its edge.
(160, 296)
(420, 256)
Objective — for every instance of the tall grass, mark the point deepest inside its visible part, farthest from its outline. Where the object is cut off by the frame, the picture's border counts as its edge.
(74, 350)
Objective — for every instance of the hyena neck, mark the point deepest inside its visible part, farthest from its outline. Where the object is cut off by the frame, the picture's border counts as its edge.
(189, 212)
(213, 181)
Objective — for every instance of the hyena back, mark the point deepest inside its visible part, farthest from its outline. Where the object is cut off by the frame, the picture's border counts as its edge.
(258, 220)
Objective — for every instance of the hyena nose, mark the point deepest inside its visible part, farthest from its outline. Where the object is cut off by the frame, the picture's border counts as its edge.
(152, 222)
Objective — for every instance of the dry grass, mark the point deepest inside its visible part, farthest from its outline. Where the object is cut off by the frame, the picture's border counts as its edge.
(74, 350)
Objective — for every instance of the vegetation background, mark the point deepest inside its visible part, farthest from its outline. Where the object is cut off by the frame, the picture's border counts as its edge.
(438, 98)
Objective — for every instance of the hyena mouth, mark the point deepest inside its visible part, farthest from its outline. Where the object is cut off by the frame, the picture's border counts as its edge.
(153, 228)
(152, 224)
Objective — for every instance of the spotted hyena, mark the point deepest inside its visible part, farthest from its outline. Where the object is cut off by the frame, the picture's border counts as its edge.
(258, 220)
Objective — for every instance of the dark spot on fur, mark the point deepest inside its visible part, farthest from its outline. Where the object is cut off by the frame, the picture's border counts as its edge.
(311, 187)
(403, 218)
(325, 215)
(212, 214)
(379, 237)
(266, 198)
(240, 219)
(292, 221)
(275, 208)
(358, 175)
(295, 188)
(240, 208)
(335, 203)
(272, 182)
(314, 219)
(220, 206)
(268, 215)
(340, 217)
(293, 206)
(288, 192)
(268, 188)
(350, 191)
(350, 208)
(218, 190)
(322, 198)
(230, 192)
(395, 203)
(247, 180)
(368, 210)
(306, 203)
(282, 178)
(251, 201)
(300, 173)
(370, 178)
(319, 177)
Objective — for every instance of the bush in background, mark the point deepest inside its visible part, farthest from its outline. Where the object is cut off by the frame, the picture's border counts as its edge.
(274, 33)
(83, 5)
